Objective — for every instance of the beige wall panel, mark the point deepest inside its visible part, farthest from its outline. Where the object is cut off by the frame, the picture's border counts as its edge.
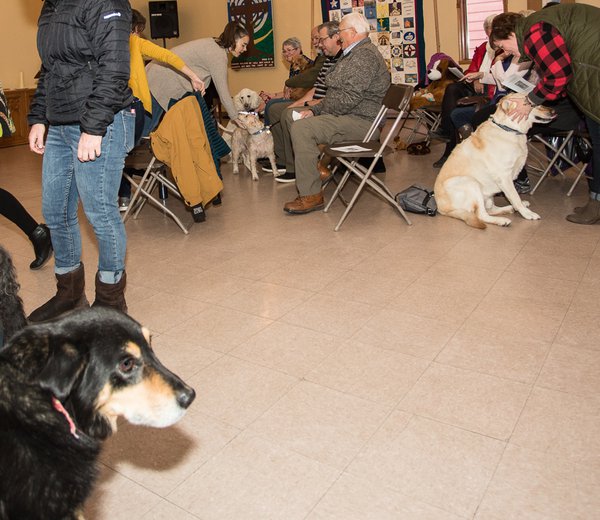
(18, 53)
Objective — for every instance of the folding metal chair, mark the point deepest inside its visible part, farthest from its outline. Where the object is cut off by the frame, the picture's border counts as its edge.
(397, 98)
(154, 176)
(429, 117)
(558, 155)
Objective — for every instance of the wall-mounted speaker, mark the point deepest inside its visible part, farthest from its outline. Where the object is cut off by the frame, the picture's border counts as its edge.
(164, 22)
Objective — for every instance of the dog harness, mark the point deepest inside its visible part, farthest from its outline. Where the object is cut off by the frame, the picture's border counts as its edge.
(507, 128)
(61, 409)
(248, 113)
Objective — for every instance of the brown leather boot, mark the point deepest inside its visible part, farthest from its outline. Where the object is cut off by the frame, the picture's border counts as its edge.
(111, 294)
(70, 294)
(305, 204)
(588, 214)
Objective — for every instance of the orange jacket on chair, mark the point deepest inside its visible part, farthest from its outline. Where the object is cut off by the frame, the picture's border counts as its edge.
(180, 141)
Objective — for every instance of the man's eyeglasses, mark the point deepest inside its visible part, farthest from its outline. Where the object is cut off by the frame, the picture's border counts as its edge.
(346, 29)
(321, 40)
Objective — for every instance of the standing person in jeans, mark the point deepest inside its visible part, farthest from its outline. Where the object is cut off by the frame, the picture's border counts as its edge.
(563, 42)
(83, 99)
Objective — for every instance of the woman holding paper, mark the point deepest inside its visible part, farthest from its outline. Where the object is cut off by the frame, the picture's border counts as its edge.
(563, 42)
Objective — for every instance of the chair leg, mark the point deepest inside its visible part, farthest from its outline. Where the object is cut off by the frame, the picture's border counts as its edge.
(579, 175)
(550, 164)
(377, 186)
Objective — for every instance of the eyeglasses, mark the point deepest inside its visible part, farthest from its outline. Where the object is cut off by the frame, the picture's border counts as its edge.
(288, 51)
(346, 29)
(321, 40)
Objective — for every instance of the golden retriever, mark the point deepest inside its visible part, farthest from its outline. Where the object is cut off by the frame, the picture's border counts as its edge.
(485, 164)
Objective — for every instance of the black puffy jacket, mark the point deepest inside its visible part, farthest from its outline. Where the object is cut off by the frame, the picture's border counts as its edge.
(84, 47)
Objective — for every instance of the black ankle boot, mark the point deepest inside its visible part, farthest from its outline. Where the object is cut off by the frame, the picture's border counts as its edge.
(42, 246)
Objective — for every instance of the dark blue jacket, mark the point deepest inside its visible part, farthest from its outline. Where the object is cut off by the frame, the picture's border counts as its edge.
(84, 47)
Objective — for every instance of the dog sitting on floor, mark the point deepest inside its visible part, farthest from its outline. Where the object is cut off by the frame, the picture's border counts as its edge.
(63, 384)
(251, 140)
(487, 163)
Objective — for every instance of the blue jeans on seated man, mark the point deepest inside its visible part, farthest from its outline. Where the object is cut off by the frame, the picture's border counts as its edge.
(66, 180)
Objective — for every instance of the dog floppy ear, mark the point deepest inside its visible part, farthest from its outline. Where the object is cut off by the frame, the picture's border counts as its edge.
(507, 105)
(61, 371)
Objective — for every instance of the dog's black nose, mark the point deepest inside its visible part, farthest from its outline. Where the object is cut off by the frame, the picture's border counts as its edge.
(186, 396)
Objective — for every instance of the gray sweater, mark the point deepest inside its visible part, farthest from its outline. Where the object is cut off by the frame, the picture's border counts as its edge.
(357, 84)
(206, 59)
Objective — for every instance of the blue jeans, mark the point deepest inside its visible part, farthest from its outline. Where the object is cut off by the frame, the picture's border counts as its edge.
(66, 180)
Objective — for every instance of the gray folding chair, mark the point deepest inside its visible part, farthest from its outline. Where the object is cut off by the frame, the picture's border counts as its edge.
(557, 156)
(154, 177)
(397, 98)
(429, 117)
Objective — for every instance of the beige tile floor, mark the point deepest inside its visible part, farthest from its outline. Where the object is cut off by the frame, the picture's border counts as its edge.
(382, 372)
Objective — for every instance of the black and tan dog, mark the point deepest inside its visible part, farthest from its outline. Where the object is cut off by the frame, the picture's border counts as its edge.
(63, 384)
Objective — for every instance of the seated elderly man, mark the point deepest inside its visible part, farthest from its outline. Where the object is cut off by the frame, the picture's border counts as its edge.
(329, 44)
(355, 89)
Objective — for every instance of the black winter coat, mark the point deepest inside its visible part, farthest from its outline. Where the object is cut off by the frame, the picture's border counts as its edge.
(84, 47)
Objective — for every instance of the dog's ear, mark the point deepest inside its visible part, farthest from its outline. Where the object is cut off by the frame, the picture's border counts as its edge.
(62, 370)
(507, 105)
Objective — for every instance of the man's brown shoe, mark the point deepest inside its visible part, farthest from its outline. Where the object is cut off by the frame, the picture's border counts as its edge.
(324, 172)
(305, 204)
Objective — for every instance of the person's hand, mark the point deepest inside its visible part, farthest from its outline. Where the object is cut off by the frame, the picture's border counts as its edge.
(89, 147)
(36, 138)
(198, 84)
(265, 96)
(520, 110)
(478, 86)
(472, 76)
(306, 113)
(287, 92)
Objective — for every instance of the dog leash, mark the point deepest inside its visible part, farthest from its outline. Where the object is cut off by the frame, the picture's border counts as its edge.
(58, 406)
(507, 128)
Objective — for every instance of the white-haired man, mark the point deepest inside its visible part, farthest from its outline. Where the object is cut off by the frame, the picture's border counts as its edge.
(355, 90)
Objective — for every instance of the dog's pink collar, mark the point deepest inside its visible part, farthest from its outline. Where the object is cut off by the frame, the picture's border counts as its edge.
(61, 409)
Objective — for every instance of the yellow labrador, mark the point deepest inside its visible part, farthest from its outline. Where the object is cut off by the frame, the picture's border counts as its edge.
(485, 164)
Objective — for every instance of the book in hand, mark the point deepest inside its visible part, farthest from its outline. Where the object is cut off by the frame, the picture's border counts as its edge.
(457, 72)
(518, 84)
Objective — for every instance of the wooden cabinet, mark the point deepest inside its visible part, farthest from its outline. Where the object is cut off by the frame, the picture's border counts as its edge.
(18, 103)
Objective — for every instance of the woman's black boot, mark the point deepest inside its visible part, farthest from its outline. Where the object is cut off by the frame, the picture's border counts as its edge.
(42, 246)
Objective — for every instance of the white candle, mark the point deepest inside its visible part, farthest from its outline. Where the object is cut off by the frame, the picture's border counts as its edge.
(21, 80)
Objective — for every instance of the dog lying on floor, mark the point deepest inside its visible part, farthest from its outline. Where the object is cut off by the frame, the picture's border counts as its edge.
(251, 140)
(63, 383)
(485, 164)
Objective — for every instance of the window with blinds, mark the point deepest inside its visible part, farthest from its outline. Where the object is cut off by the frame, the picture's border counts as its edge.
(472, 14)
